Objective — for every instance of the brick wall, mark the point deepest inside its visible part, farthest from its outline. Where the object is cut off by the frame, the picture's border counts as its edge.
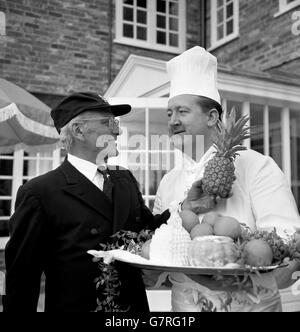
(56, 46)
(265, 42)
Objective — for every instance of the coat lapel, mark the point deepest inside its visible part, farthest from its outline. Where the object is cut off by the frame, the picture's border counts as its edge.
(85, 191)
(121, 198)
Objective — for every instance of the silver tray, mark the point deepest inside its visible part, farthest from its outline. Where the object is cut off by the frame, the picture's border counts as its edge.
(142, 263)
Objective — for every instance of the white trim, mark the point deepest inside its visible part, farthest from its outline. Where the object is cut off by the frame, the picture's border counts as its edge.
(11, 111)
(3, 242)
(284, 7)
(147, 173)
(17, 176)
(151, 26)
(244, 87)
(131, 63)
(252, 87)
(246, 111)
(147, 45)
(266, 127)
(215, 43)
(286, 145)
(153, 103)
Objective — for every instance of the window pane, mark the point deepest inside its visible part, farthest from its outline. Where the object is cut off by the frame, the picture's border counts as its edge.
(140, 175)
(142, 3)
(229, 27)
(229, 10)
(161, 6)
(5, 208)
(173, 24)
(161, 21)
(30, 168)
(161, 37)
(128, 30)
(174, 40)
(6, 167)
(141, 33)
(275, 135)
(128, 14)
(295, 153)
(173, 8)
(220, 3)
(257, 121)
(220, 33)
(220, 16)
(45, 166)
(128, 2)
(5, 187)
(142, 16)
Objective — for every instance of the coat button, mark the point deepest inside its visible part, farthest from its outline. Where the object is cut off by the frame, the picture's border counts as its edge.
(94, 231)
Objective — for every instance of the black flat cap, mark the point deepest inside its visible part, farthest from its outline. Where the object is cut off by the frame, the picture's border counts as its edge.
(78, 103)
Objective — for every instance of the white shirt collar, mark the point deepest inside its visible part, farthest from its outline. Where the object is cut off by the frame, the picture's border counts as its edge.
(85, 167)
(190, 164)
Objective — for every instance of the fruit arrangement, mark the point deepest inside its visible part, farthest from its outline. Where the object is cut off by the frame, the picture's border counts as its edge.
(217, 242)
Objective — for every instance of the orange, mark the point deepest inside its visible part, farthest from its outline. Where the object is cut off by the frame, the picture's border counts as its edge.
(201, 230)
(227, 226)
(258, 253)
(210, 218)
(189, 219)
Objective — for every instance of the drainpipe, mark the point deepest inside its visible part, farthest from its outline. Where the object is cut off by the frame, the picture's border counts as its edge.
(203, 8)
(110, 41)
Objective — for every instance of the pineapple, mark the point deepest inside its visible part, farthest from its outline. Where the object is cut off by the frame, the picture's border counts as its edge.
(219, 175)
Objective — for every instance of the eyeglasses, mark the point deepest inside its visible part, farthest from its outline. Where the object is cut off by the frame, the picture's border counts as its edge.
(112, 123)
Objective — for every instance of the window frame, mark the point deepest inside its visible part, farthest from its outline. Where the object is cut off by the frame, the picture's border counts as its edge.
(215, 43)
(285, 7)
(150, 43)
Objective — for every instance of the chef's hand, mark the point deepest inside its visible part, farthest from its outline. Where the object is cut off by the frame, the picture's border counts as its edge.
(197, 201)
(285, 277)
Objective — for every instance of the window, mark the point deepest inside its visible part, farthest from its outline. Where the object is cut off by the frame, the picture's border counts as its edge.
(6, 179)
(155, 24)
(224, 21)
(287, 5)
(16, 169)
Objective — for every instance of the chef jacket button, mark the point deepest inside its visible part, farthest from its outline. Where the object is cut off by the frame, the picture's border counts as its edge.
(94, 231)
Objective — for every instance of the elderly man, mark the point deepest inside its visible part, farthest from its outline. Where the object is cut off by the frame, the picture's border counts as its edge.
(64, 213)
(261, 195)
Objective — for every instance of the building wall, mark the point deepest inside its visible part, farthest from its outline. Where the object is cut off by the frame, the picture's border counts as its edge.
(56, 46)
(265, 41)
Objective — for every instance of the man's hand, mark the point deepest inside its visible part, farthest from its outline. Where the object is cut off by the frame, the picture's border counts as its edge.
(197, 201)
(284, 276)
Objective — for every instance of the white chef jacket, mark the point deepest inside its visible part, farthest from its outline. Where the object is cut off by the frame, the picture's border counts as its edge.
(262, 197)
